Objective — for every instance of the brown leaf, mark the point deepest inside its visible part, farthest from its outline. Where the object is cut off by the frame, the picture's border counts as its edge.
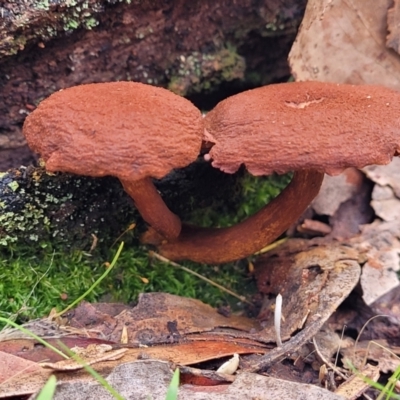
(31, 349)
(184, 354)
(381, 247)
(150, 379)
(306, 281)
(393, 19)
(157, 318)
(312, 281)
(379, 351)
(386, 193)
(344, 41)
(11, 365)
(90, 355)
(345, 199)
(335, 190)
(355, 386)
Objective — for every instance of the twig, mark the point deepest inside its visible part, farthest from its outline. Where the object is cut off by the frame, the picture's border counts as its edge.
(362, 330)
(271, 246)
(327, 362)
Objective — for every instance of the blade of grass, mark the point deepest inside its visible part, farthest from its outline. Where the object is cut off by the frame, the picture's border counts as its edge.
(48, 389)
(106, 272)
(36, 337)
(188, 270)
(103, 382)
(376, 385)
(172, 392)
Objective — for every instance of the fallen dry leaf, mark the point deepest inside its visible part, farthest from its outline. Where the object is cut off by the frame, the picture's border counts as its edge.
(31, 349)
(90, 355)
(386, 175)
(345, 199)
(157, 318)
(183, 354)
(11, 365)
(355, 386)
(313, 282)
(344, 41)
(329, 342)
(314, 228)
(393, 18)
(306, 281)
(379, 245)
(379, 351)
(335, 190)
(150, 379)
(386, 192)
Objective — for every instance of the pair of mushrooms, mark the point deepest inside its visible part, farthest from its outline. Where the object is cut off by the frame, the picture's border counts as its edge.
(137, 132)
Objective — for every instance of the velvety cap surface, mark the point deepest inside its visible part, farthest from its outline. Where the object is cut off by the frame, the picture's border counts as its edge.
(125, 129)
(305, 125)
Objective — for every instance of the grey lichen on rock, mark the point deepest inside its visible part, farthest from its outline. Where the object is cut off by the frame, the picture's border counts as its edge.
(37, 208)
(200, 72)
(26, 21)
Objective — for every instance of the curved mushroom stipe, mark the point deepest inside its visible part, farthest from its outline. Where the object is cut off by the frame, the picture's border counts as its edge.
(152, 207)
(221, 245)
(129, 130)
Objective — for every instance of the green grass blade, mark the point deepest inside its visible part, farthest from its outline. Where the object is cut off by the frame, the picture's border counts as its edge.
(34, 336)
(172, 393)
(48, 389)
(106, 272)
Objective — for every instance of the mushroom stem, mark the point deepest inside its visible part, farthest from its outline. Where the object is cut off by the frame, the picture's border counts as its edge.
(152, 207)
(220, 245)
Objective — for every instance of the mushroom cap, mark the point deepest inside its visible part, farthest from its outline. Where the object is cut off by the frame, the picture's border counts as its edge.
(305, 125)
(124, 129)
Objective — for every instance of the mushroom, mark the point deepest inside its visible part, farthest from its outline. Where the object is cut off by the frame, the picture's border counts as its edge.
(125, 129)
(311, 128)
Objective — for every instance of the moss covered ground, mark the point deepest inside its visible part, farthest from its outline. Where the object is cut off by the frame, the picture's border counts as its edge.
(33, 280)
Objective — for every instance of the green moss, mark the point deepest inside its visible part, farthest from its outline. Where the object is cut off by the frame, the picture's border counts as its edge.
(256, 193)
(35, 277)
(31, 285)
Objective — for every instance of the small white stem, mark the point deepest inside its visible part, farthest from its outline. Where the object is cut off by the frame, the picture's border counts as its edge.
(277, 319)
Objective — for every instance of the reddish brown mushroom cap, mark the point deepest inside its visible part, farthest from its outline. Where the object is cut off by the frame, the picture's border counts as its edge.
(125, 129)
(305, 125)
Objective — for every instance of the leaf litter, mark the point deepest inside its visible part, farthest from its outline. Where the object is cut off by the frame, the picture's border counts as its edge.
(349, 253)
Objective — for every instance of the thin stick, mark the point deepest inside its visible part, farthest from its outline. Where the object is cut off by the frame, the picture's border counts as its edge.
(338, 350)
(174, 264)
(364, 326)
(271, 246)
(129, 228)
(327, 362)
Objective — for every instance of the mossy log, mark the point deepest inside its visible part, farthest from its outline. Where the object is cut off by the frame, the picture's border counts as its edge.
(38, 208)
